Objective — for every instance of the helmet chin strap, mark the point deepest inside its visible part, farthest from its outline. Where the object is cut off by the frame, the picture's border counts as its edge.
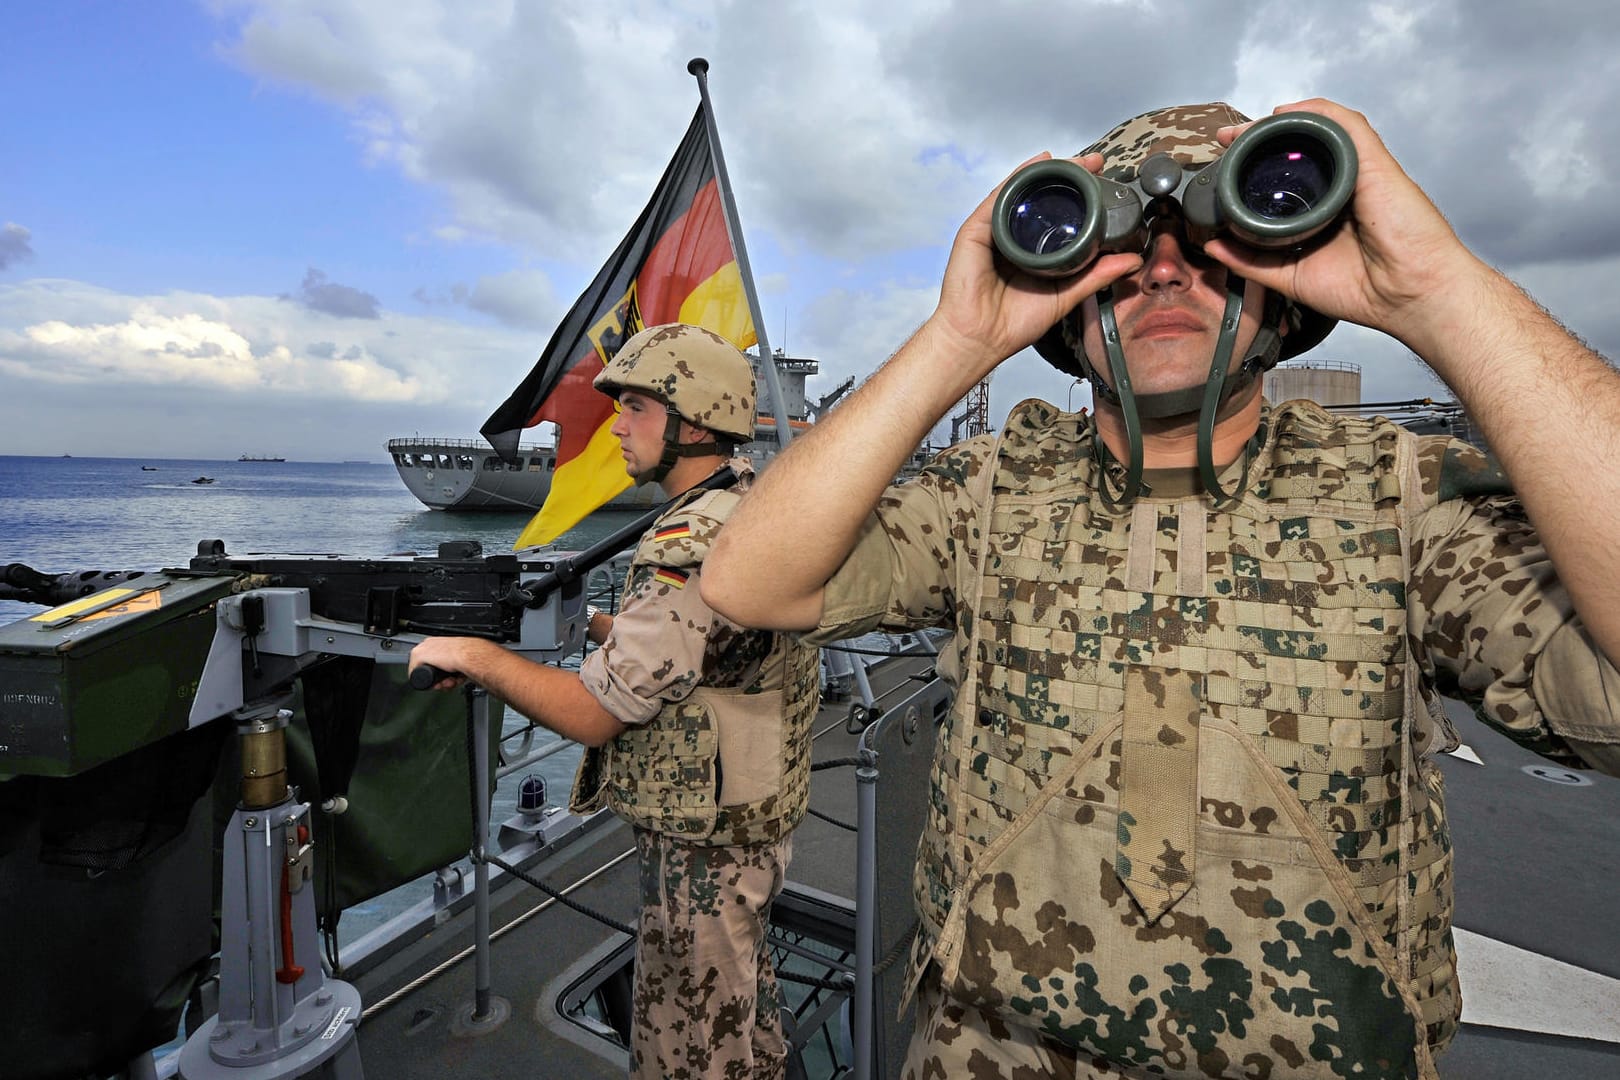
(1207, 400)
(674, 449)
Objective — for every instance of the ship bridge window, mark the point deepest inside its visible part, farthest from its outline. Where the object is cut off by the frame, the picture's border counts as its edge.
(537, 464)
(444, 461)
(492, 463)
(515, 465)
(464, 461)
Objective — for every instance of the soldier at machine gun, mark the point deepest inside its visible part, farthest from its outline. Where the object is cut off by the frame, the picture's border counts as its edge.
(678, 691)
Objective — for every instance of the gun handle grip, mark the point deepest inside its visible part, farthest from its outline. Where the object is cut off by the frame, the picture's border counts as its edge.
(424, 676)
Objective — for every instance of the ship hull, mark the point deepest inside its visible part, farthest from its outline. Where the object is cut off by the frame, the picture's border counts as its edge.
(466, 474)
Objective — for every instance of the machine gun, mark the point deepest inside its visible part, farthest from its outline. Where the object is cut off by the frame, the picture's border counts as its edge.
(125, 658)
(180, 647)
(128, 659)
(295, 610)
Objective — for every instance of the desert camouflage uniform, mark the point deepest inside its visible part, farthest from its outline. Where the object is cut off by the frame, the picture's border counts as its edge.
(713, 772)
(1184, 815)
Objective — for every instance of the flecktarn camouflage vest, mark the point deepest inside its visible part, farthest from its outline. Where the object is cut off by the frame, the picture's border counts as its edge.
(1178, 820)
(730, 763)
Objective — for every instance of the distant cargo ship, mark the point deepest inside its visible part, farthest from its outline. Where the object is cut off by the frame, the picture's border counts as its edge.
(251, 457)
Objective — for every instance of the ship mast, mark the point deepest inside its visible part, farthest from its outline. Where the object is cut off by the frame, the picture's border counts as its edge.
(699, 68)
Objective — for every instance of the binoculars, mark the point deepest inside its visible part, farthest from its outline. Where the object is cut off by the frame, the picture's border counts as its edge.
(1283, 180)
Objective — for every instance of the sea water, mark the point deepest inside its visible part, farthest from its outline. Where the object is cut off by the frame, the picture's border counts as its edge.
(73, 513)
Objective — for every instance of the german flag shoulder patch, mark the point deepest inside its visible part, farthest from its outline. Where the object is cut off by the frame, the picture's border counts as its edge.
(678, 530)
(666, 575)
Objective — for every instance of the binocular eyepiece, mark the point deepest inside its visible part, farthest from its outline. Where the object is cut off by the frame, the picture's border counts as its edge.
(1282, 181)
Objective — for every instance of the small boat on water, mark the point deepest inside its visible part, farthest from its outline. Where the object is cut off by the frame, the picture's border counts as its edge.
(149, 468)
(203, 480)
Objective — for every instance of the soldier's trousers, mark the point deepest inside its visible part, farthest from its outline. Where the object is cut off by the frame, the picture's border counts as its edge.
(706, 1001)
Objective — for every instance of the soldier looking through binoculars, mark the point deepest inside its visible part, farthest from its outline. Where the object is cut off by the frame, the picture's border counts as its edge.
(1185, 818)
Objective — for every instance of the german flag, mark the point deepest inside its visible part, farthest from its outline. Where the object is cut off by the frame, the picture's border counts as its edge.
(675, 265)
(666, 575)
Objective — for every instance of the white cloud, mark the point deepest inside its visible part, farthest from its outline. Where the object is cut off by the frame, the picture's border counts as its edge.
(858, 137)
(248, 356)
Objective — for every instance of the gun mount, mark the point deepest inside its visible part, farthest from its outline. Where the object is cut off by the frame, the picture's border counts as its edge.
(153, 653)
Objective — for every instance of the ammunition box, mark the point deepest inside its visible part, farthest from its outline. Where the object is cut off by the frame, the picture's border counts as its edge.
(89, 681)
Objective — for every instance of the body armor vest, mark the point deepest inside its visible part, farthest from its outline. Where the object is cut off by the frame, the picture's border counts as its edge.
(729, 763)
(1177, 819)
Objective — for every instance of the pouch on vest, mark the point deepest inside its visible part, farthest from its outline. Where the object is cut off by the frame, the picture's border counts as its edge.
(1291, 976)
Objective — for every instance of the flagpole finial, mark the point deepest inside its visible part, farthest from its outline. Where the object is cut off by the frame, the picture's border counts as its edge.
(697, 66)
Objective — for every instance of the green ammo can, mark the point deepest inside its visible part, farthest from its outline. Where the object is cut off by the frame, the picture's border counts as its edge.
(89, 681)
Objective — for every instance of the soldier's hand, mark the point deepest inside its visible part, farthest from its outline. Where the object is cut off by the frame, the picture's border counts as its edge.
(992, 309)
(436, 664)
(1387, 261)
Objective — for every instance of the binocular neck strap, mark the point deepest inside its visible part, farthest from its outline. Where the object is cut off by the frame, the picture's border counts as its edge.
(1123, 396)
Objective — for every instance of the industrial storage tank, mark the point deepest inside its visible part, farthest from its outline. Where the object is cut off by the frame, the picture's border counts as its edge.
(1326, 382)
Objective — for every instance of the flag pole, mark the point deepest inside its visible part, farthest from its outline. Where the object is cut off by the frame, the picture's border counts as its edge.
(699, 68)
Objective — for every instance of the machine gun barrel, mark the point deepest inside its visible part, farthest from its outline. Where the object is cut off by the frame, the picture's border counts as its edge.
(24, 584)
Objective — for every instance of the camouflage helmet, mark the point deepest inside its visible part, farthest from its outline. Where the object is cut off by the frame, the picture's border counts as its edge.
(1186, 133)
(698, 374)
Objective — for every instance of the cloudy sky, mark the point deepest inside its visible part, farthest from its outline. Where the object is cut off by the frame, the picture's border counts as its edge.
(302, 227)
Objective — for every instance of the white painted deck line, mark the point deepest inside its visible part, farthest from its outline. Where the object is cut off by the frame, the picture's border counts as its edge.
(1466, 752)
(1505, 986)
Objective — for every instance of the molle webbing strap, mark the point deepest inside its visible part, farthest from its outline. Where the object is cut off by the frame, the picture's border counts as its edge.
(1192, 562)
(1156, 842)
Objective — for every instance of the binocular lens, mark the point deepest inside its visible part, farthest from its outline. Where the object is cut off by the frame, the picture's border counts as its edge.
(1281, 182)
(1285, 177)
(1046, 218)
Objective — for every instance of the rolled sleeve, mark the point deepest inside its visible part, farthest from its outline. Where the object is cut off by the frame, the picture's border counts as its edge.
(1497, 628)
(654, 653)
(905, 570)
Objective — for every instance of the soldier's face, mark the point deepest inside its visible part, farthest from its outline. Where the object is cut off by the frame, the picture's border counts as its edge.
(1169, 316)
(639, 428)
